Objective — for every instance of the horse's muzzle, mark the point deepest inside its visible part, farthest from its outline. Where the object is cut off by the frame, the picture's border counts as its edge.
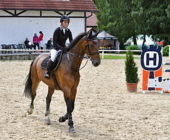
(95, 62)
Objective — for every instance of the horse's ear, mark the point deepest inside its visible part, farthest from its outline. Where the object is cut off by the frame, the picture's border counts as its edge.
(92, 34)
(96, 34)
(89, 34)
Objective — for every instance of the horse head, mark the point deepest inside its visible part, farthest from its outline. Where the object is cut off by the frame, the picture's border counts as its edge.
(92, 49)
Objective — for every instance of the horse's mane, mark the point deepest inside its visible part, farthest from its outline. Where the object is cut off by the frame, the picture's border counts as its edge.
(75, 41)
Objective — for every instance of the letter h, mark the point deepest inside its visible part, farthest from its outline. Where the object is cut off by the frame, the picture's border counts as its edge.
(148, 59)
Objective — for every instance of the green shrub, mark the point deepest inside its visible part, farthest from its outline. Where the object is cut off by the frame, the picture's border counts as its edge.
(131, 70)
(166, 51)
(133, 47)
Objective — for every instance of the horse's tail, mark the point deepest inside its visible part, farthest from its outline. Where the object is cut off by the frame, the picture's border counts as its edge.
(28, 84)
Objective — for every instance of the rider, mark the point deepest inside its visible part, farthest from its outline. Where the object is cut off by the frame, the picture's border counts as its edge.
(60, 36)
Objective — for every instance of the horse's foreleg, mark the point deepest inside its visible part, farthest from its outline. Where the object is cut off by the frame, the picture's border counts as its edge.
(63, 118)
(69, 99)
(70, 108)
(48, 101)
(68, 115)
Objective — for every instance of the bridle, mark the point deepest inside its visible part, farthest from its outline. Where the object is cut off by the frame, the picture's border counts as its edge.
(85, 57)
(91, 53)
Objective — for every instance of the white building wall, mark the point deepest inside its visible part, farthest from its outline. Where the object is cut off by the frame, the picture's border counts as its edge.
(15, 30)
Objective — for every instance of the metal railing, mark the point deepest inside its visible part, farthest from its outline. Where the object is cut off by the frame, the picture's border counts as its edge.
(112, 52)
(30, 51)
(4, 52)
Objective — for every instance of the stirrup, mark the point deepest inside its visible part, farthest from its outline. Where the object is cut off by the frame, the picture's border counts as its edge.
(47, 75)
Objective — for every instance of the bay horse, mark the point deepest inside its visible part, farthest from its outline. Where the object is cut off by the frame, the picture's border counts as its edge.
(67, 74)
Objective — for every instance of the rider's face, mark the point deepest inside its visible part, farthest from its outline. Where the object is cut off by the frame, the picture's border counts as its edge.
(65, 23)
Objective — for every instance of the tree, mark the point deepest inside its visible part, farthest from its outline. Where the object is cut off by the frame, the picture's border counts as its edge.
(103, 15)
(118, 19)
(156, 20)
(126, 18)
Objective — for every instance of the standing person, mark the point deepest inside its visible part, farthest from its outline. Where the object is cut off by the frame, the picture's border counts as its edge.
(49, 43)
(36, 41)
(41, 36)
(60, 36)
(26, 42)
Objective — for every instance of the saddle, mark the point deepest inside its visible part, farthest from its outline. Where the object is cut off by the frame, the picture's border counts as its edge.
(55, 64)
(54, 67)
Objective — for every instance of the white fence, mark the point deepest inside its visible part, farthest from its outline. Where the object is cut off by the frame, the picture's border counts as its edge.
(20, 51)
(102, 52)
(28, 51)
(112, 52)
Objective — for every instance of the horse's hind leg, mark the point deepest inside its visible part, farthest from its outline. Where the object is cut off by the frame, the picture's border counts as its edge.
(48, 101)
(30, 110)
(33, 95)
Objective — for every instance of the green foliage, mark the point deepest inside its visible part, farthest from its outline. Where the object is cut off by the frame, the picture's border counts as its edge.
(113, 57)
(118, 20)
(133, 47)
(156, 15)
(168, 11)
(166, 51)
(131, 70)
(127, 18)
(103, 15)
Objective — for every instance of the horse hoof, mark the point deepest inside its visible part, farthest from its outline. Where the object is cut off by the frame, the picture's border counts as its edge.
(47, 113)
(61, 119)
(47, 121)
(72, 130)
(30, 111)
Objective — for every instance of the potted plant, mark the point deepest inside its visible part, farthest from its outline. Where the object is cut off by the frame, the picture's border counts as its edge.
(131, 72)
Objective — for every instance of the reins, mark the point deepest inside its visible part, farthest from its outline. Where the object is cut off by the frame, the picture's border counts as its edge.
(80, 56)
(84, 57)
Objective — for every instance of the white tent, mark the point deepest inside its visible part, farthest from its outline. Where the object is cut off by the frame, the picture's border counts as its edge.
(110, 41)
(105, 36)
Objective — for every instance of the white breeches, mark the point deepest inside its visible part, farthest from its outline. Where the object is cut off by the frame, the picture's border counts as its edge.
(53, 54)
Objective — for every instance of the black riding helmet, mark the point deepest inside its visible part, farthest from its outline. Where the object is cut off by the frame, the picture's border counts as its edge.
(64, 17)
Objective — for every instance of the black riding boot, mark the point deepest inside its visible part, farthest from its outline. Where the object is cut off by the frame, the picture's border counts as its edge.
(49, 69)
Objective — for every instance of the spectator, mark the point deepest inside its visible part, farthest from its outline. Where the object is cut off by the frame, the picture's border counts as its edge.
(41, 36)
(26, 42)
(49, 43)
(36, 41)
